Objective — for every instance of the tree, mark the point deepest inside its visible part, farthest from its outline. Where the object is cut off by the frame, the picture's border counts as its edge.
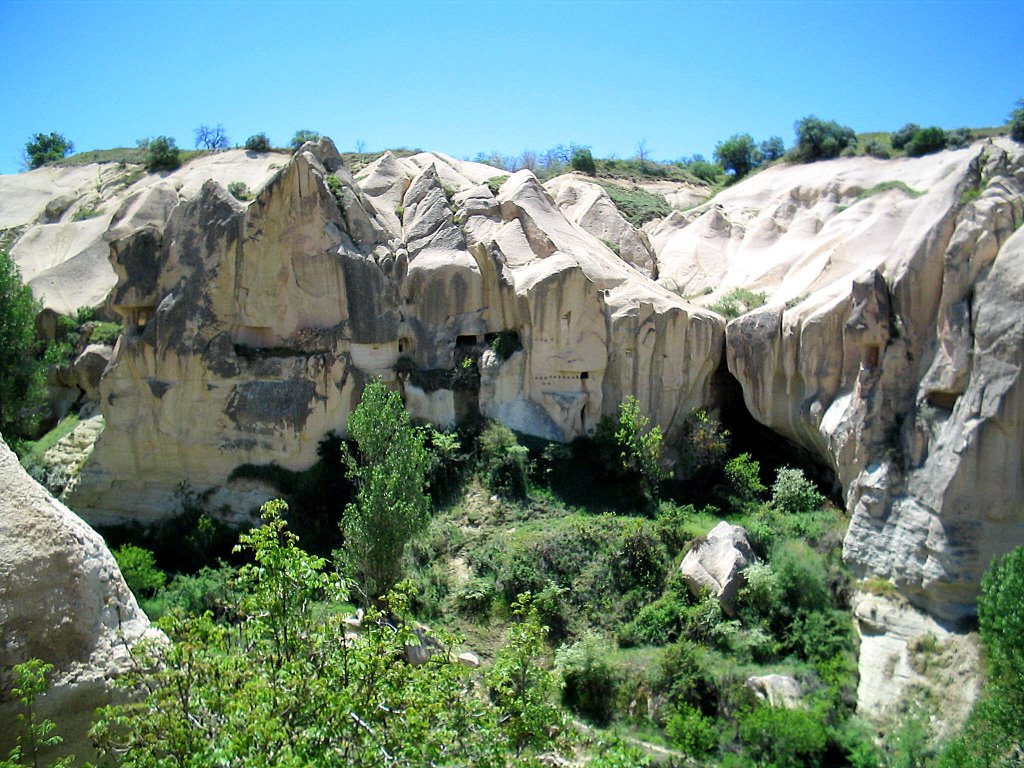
(772, 149)
(1017, 122)
(290, 685)
(22, 389)
(583, 161)
(44, 148)
(899, 139)
(820, 139)
(639, 447)
(391, 506)
(37, 733)
(738, 154)
(258, 143)
(211, 138)
(926, 141)
(162, 153)
(301, 137)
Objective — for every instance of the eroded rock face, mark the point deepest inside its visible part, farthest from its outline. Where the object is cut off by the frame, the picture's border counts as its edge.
(715, 565)
(890, 345)
(250, 329)
(62, 600)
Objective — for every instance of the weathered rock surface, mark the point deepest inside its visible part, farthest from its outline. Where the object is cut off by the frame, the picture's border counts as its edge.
(62, 600)
(251, 328)
(59, 469)
(904, 652)
(776, 690)
(715, 564)
(890, 347)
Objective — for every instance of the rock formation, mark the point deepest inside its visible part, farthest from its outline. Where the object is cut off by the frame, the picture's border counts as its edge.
(716, 562)
(62, 600)
(890, 347)
(250, 328)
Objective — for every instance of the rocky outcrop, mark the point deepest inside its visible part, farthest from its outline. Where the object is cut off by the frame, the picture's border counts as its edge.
(776, 690)
(890, 345)
(62, 600)
(715, 564)
(251, 328)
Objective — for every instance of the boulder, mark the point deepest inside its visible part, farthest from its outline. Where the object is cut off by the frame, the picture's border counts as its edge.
(715, 564)
(776, 690)
(89, 367)
(62, 600)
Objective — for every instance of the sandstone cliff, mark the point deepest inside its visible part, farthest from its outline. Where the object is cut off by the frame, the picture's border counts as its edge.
(251, 327)
(891, 345)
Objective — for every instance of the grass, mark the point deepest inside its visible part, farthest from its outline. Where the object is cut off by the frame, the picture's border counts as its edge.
(887, 186)
(636, 205)
(37, 448)
(738, 302)
(124, 155)
(494, 183)
(86, 212)
(879, 587)
(970, 195)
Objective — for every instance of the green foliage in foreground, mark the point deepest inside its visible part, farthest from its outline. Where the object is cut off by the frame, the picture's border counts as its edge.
(35, 734)
(283, 688)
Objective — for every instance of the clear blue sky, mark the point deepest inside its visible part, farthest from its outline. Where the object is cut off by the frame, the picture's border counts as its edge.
(466, 77)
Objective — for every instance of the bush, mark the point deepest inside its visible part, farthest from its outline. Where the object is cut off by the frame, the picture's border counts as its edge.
(239, 190)
(802, 578)
(772, 149)
(162, 154)
(899, 139)
(590, 679)
(583, 162)
(738, 154)
(44, 148)
(704, 445)
(138, 566)
(705, 171)
(876, 148)
(926, 141)
(744, 475)
(959, 138)
(821, 140)
(639, 448)
(690, 732)
(783, 738)
(1017, 122)
(258, 143)
(300, 138)
(504, 463)
(794, 494)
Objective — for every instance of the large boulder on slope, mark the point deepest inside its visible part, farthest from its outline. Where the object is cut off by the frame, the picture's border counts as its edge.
(715, 564)
(62, 600)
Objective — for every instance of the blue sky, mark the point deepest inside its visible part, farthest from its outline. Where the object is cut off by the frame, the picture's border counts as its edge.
(466, 77)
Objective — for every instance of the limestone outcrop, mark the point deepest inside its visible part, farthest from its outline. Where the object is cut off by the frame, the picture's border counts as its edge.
(890, 345)
(250, 328)
(62, 600)
(715, 564)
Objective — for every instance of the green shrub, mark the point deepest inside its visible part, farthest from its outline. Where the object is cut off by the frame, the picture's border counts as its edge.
(494, 183)
(1017, 122)
(738, 154)
(583, 162)
(738, 302)
(787, 738)
(89, 211)
(589, 677)
(959, 138)
(258, 143)
(705, 171)
(239, 190)
(744, 476)
(43, 148)
(685, 675)
(162, 154)
(772, 149)
(820, 140)
(505, 344)
(886, 186)
(926, 141)
(794, 494)
(638, 446)
(22, 384)
(690, 732)
(635, 204)
(210, 589)
(300, 138)
(504, 464)
(703, 445)
(899, 139)
(758, 599)
(876, 148)
(138, 566)
(802, 578)
(475, 597)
